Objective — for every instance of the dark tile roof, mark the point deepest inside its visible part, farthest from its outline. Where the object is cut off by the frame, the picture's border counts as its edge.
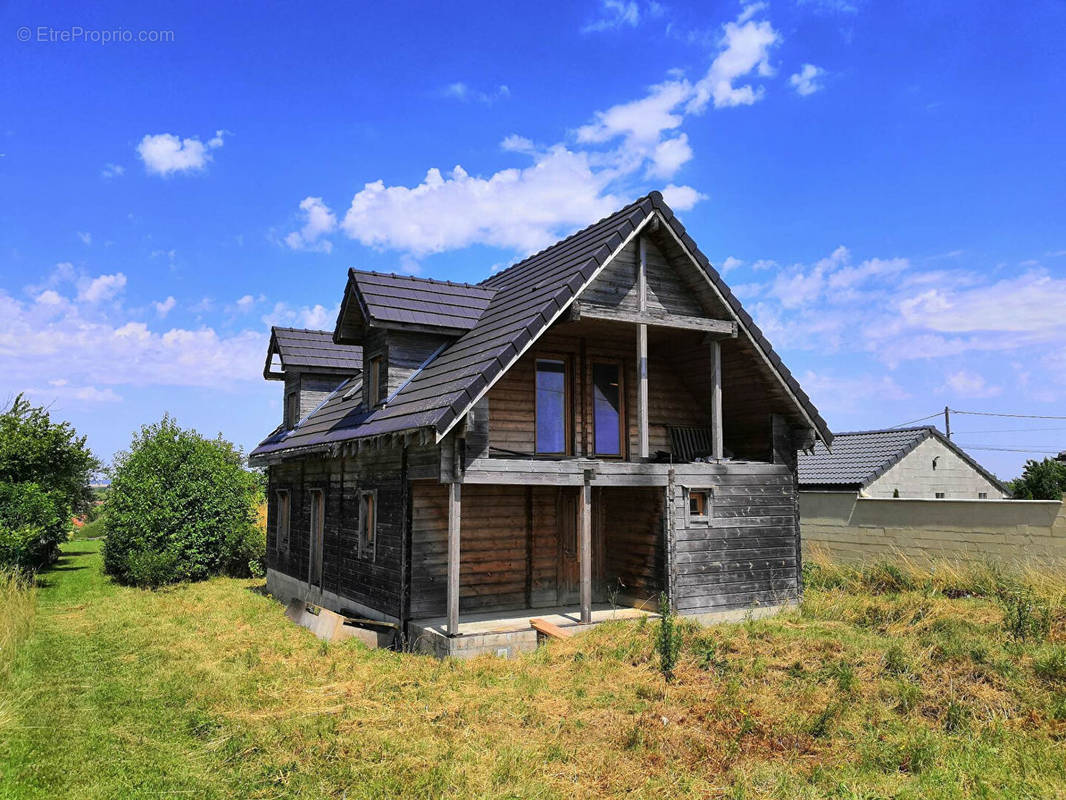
(859, 457)
(524, 300)
(312, 350)
(333, 421)
(402, 299)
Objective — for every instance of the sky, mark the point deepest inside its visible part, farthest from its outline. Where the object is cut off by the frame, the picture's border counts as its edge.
(882, 184)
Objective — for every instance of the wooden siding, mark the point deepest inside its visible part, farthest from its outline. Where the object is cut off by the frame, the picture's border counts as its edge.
(373, 581)
(670, 401)
(747, 554)
(668, 292)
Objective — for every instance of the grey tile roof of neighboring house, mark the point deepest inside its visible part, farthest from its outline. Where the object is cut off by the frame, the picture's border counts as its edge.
(859, 457)
(525, 299)
(425, 302)
(312, 350)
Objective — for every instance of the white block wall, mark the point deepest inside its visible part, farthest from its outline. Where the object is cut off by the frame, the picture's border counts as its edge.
(915, 477)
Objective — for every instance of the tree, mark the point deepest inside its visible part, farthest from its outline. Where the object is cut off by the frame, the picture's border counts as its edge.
(1040, 480)
(180, 507)
(45, 468)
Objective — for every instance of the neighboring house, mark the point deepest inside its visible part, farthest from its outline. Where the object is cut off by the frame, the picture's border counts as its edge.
(601, 422)
(908, 463)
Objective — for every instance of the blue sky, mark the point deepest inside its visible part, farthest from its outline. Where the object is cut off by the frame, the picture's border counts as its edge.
(881, 184)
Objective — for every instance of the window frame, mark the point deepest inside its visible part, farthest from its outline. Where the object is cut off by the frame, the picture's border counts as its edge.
(568, 405)
(368, 535)
(982, 495)
(316, 518)
(939, 496)
(707, 493)
(373, 380)
(623, 428)
(292, 409)
(280, 518)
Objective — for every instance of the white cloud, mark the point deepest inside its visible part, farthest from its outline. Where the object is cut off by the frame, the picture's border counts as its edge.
(409, 266)
(517, 144)
(681, 198)
(112, 171)
(616, 14)
(164, 307)
(964, 383)
(245, 303)
(315, 317)
(319, 222)
(49, 297)
(729, 264)
(520, 209)
(165, 153)
(92, 348)
(101, 288)
(835, 393)
(807, 80)
(464, 93)
(86, 238)
(610, 159)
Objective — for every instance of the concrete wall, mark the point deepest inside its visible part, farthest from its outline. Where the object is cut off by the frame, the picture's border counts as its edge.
(850, 528)
(915, 477)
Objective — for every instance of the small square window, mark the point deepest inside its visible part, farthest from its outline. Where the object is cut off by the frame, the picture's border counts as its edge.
(982, 495)
(699, 503)
(939, 495)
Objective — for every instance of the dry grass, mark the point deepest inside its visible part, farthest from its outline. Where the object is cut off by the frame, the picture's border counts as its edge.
(206, 690)
(18, 605)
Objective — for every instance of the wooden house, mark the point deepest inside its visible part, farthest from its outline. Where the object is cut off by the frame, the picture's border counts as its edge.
(597, 424)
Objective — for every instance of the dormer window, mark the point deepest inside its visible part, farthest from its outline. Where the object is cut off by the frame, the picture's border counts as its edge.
(373, 382)
(292, 409)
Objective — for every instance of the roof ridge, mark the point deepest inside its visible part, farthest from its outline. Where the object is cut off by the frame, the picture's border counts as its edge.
(299, 330)
(885, 430)
(601, 220)
(417, 278)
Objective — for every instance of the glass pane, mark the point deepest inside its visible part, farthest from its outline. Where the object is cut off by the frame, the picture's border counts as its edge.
(551, 406)
(606, 397)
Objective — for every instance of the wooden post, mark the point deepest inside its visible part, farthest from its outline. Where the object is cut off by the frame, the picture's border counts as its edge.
(454, 516)
(642, 387)
(642, 349)
(716, 398)
(584, 533)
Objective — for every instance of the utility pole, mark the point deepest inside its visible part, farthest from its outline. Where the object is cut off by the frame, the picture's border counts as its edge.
(947, 421)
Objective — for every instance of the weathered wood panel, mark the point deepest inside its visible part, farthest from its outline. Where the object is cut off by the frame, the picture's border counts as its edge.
(632, 536)
(373, 579)
(747, 553)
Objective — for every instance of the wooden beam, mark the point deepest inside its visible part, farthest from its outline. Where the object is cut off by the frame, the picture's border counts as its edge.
(657, 319)
(454, 517)
(549, 628)
(642, 348)
(642, 388)
(584, 533)
(716, 398)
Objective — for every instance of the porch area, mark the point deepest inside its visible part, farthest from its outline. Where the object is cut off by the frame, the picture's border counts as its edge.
(507, 633)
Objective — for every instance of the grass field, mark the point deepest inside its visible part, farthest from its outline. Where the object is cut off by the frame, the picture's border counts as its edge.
(887, 683)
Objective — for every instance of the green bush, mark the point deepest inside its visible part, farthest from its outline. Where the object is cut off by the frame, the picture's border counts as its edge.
(180, 508)
(33, 523)
(44, 480)
(1025, 615)
(667, 638)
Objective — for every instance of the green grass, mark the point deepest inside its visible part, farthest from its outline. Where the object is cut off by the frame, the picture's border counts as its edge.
(90, 530)
(891, 686)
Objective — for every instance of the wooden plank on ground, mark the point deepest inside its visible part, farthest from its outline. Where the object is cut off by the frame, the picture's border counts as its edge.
(549, 628)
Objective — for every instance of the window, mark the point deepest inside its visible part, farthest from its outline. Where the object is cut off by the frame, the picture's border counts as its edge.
(281, 538)
(292, 409)
(699, 503)
(318, 515)
(368, 522)
(551, 406)
(982, 495)
(373, 390)
(607, 409)
(939, 495)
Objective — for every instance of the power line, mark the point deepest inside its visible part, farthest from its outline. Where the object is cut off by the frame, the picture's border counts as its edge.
(911, 422)
(1008, 449)
(995, 414)
(1008, 430)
